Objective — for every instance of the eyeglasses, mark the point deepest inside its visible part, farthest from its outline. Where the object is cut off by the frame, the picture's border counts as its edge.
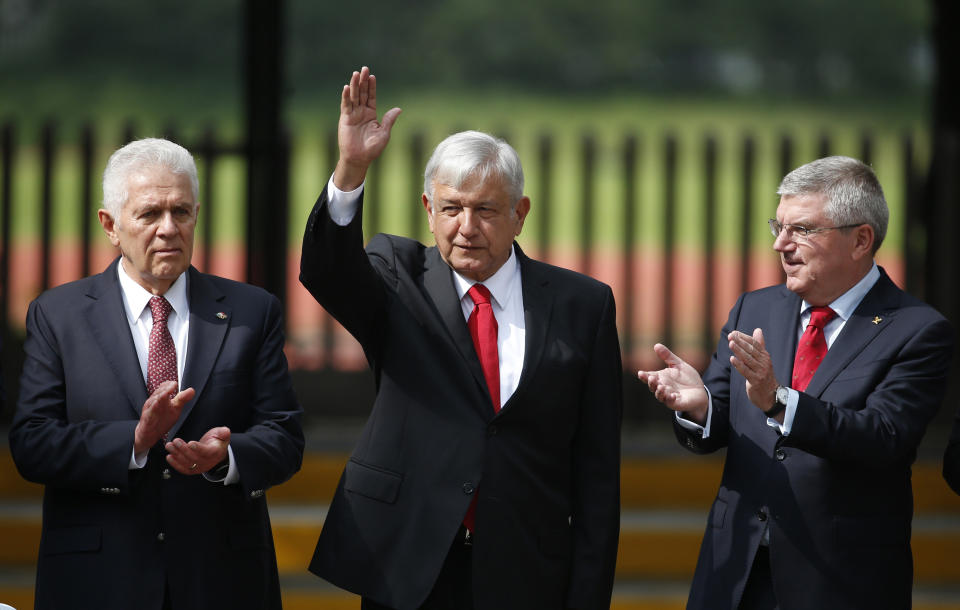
(794, 231)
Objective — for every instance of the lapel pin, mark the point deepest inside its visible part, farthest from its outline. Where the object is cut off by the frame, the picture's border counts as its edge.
(223, 316)
(877, 319)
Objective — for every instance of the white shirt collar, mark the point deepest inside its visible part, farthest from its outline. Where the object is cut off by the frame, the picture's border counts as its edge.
(136, 297)
(847, 303)
(500, 284)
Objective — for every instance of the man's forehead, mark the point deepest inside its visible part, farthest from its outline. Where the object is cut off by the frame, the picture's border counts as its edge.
(805, 205)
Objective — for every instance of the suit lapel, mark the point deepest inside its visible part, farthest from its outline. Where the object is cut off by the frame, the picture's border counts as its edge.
(882, 301)
(438, 284)
(104, 312)
(209, 320)
(537, 307)
(782, 339)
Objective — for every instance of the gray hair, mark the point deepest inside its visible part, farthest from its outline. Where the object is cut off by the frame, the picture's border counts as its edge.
(140, 154)
(854, 195)
(474, 154)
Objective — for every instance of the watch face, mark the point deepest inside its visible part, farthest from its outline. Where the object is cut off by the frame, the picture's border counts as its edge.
(782, 395)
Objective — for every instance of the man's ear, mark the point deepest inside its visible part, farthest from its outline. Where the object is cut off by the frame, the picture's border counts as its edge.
(429, 209)
(109, 226)
(863, 244)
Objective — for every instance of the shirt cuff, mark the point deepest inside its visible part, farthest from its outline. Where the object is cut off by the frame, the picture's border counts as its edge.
(793, 398)
(704, 430)
(135, 462)
(343, 205)
(233, 473)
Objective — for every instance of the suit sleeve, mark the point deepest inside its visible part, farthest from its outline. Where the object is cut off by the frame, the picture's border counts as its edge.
(46, 446)
(887, 425)
(341, 276)
(596, 497)
(270, 451)
(951, 458)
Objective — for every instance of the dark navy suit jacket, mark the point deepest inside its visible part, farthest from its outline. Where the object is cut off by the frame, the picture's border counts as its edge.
(112, 537)
(836, 491)
(545, 468)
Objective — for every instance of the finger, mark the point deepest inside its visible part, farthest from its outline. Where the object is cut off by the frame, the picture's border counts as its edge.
(372, 92)
(390, 117)
(364, 86)
(354, 89)
(345, 100)
(758, 337)
(182, 466)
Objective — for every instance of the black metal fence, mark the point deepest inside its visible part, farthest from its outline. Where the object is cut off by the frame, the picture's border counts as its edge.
(312, 351)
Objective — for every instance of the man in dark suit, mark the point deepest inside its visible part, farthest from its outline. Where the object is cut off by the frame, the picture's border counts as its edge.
(156, 407)
(487, 475)
(820, 391)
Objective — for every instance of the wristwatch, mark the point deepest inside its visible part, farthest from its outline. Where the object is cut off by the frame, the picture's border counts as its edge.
(779, 401)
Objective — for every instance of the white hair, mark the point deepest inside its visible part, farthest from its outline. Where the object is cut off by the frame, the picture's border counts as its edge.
(474, 155)
(854, 195)
(140, 154)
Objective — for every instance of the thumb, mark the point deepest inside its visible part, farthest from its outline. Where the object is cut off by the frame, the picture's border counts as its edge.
(390, 117)
(758, 337)
(668, 357)
(221, 433)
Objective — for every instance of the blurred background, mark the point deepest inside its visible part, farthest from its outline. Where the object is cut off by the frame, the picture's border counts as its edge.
(653, 133)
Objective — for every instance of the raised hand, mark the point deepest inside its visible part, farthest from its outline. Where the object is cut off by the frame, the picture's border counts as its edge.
(360, 136)
(752, 360)
(678, 386)
(159, 413)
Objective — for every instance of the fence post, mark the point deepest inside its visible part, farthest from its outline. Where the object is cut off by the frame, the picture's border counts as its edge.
(629, 242)
(87, 151)
(669, 222)
(47, 156)
(545, 156)
(6, 216)
(710, 241)
(746, 227)
(417, 147)
(588, 160)
(208, 155)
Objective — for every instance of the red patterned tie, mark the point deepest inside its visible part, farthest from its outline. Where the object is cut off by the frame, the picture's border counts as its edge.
(483, 330)
(162, 355)
(812, 348)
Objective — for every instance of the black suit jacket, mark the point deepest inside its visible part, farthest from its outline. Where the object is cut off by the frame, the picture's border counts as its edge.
(546, 467)
(112, 536)
(836, 491)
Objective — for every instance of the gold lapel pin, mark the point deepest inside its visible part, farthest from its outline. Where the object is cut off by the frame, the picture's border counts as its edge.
(223, 316)
(877, 319)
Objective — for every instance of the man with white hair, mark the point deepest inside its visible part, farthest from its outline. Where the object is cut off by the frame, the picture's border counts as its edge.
(820, 390)
(487, 476)
(156, 408)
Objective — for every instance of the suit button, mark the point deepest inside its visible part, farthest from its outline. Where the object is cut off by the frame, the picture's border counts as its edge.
(166, 474)
(780, 454)
(492, 430)
(761, 515)
(160, 537)
(468, 488)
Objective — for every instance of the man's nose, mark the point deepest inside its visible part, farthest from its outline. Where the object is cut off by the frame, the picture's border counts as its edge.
(783, 243)
(468, 222)
(168, 226)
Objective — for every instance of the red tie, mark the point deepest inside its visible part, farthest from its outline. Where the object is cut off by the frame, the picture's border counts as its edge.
(483, 330)
(812, 349)
(162, 355)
